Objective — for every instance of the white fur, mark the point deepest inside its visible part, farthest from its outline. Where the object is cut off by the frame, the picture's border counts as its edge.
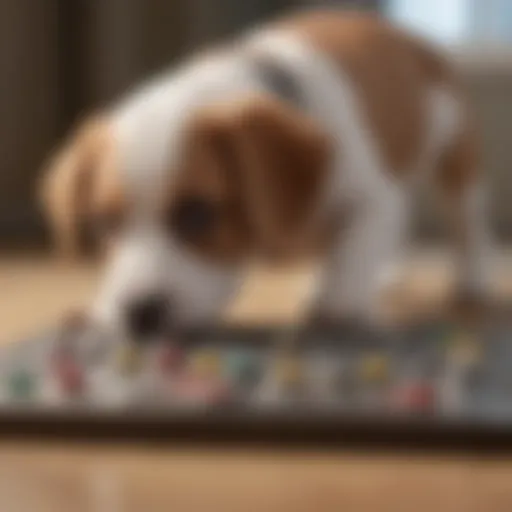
(475, 252)
(148, 128)
(147, 261)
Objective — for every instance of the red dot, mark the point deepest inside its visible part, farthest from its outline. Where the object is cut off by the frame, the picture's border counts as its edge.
(170, 359)
(70, 375)
(415, 397)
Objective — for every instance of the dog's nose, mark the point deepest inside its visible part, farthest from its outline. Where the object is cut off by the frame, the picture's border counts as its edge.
(148, 316)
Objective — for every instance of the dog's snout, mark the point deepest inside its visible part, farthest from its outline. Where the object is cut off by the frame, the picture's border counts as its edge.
(148, 316)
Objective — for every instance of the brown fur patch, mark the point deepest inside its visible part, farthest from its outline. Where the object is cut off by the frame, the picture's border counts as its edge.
(262, 164)
(391, 71)
(207, 174)
(79, 182)
(459, 166)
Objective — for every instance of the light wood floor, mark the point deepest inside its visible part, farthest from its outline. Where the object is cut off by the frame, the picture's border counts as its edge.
(37, 477)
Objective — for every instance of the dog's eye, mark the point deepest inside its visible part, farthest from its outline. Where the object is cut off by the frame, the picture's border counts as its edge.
(193, 218)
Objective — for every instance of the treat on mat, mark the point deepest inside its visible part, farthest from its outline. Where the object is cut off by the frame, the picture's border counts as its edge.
(22, 384)
(170, 358)
(198, 391)
(288, 369)
(413, 397)
(465, 350)
(238, 364)
(205, 363)
(374, 368)
(70, 376)
(128, 359)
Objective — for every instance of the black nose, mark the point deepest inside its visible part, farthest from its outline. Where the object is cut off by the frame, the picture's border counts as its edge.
(148, 316)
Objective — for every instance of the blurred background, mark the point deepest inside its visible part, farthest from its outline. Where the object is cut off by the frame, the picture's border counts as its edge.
(61, 58)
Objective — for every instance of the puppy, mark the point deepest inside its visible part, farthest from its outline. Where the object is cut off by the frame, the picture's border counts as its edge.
(306, 136)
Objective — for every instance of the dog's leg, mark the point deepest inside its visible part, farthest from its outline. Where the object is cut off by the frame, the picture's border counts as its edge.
(464, 196)
(350, 280)
(473, 241)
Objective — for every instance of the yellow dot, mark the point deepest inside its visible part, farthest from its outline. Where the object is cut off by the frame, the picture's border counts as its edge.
(128, 359)
(374, 368)
(466, 350)
(206, 363)
(288, 370)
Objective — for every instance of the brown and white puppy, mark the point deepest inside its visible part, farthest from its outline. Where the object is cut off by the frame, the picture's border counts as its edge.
(308, 135)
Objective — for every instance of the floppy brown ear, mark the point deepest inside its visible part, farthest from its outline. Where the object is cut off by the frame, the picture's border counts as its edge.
(67, 183)
(283, 163)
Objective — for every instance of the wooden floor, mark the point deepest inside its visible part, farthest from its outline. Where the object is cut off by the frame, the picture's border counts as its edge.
(37, 477)
(75, 479)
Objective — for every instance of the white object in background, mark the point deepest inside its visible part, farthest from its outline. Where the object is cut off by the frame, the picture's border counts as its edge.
(445, 21)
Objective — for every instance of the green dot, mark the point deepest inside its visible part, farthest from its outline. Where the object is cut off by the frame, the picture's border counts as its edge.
(22, 384)
(242, 368)
(234, 364)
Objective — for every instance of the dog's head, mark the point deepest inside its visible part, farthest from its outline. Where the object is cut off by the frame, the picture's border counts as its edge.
(244, 182)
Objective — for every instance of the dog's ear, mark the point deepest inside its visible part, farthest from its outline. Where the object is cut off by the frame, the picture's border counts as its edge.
(282, 164)
(67, 181)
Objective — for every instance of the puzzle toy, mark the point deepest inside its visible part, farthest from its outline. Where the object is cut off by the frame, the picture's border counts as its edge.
(436, 374)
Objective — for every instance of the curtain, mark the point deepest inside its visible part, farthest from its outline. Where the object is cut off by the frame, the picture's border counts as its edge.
(29, 103)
